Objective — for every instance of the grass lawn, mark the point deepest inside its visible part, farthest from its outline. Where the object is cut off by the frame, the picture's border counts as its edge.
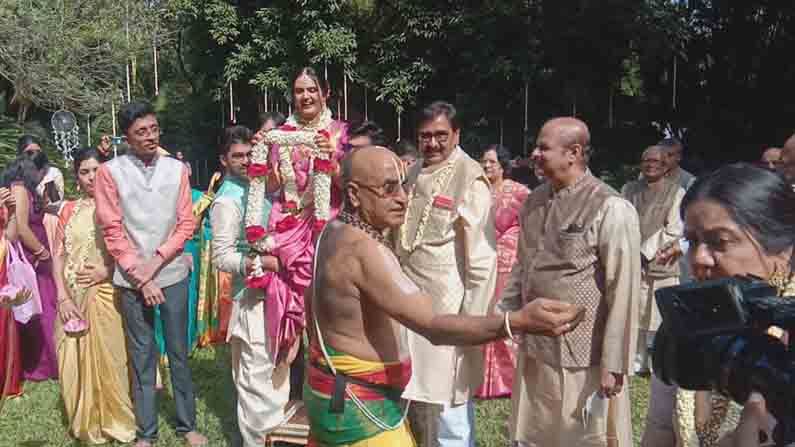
(36, 418)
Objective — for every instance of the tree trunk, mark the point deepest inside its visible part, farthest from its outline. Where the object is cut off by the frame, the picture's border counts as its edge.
(610, 118)
(181, 64)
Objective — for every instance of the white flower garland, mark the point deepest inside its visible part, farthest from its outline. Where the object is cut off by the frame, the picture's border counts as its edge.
(287, 141)
(304, 135)
(288, 137)
(442, 178)
(321, 189)
(685, 418)
(257, 189)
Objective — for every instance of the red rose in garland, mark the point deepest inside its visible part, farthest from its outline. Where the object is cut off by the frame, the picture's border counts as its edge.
(290, 206)
(257, 170)
(257, 282)
(254, 233)
(326, 166)
(318, 226)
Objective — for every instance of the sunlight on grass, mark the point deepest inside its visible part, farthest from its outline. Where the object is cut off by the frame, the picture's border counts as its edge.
(492, 417)
(36, 418)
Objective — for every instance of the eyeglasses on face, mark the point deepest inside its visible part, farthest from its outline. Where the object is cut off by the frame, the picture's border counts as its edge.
(441, 137)
(388, 189)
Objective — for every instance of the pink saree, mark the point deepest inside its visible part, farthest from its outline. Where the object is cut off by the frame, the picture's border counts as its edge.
(499, 359)
(294, 242)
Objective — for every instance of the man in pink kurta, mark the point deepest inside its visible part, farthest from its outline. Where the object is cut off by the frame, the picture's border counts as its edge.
(144, 209)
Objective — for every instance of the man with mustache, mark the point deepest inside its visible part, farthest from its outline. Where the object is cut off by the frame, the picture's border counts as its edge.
(447, 247)
(360, 304)
(673, 149)
(579, 243)
(143, 202)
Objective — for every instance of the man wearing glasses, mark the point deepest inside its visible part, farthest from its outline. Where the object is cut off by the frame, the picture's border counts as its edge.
(673, 149)
(447, 247)
(656, 198)
(143, 206)
(360, 304)
(262, 394)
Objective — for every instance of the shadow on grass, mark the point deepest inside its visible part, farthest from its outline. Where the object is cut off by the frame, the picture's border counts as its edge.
(215, 391)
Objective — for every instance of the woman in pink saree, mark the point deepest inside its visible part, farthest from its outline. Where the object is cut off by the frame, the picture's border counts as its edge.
(292, 223)
(507, 198)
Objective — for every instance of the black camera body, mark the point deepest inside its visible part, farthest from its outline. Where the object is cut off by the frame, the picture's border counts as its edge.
(714, 337)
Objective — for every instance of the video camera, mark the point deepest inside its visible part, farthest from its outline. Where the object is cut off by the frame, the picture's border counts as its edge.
(714, 337)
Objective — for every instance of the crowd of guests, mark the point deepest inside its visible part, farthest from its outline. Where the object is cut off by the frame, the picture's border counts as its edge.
(544, 296)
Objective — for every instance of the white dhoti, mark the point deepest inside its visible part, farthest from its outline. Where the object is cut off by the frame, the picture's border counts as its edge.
(260, 401)
(548, 406)
(650, 318)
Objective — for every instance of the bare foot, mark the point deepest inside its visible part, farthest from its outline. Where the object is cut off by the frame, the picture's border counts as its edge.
(143, 443)
(195, 439)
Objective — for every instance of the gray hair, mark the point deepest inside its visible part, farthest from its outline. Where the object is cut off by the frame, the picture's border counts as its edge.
(651, 149)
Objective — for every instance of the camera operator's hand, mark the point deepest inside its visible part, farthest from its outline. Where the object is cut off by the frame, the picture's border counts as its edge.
(756, 424)
(612, 383)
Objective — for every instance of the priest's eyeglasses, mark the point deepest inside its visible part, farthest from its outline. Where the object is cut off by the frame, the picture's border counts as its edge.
(388, 189)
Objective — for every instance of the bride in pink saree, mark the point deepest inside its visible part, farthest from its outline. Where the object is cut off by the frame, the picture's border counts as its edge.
(507, 198)
(292, 223)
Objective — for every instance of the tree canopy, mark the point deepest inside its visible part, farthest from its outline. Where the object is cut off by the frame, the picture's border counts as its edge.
(721, 69)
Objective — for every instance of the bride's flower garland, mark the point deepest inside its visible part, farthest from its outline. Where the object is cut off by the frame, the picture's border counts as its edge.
(287, 137)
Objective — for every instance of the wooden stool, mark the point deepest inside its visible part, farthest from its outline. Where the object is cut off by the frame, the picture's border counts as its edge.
(294, 431)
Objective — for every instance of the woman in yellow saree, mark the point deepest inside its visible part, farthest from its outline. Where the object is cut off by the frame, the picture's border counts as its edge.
(89, 336)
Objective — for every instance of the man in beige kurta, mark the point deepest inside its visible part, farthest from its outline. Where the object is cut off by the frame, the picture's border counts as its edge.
(657, 199)
(447, 247)
(579, 243)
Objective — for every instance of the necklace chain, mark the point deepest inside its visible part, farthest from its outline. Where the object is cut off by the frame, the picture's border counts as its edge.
(357, 222)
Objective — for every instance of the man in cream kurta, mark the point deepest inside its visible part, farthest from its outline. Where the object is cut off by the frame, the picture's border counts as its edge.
(579, 243)
(657, 199)
(262, 390)
(447, 247)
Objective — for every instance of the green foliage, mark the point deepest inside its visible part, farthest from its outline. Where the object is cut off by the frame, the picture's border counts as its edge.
(10, 133)
(72, 54)
(610, 63)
